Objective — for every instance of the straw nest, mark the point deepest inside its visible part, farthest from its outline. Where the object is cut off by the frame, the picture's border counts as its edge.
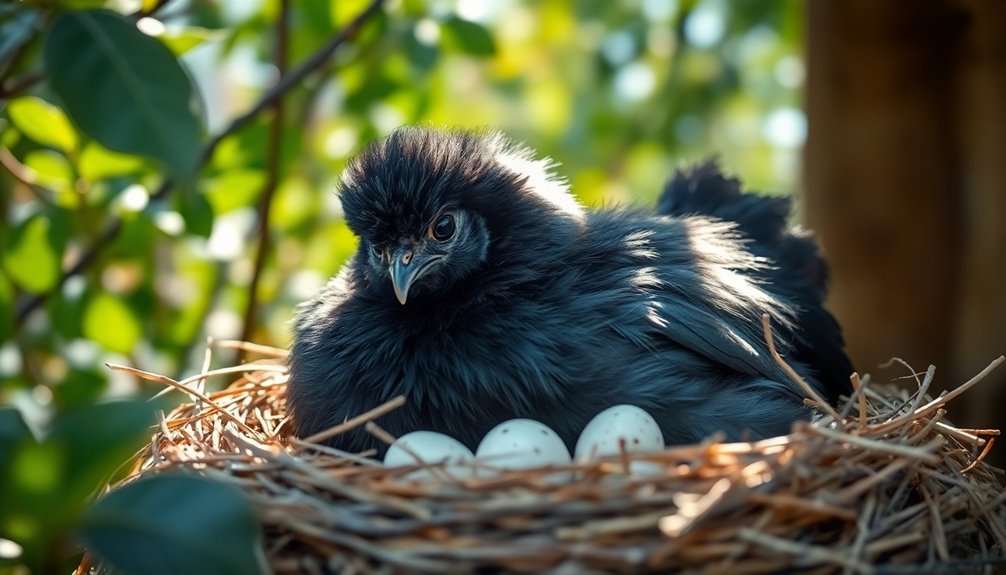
(884, 485)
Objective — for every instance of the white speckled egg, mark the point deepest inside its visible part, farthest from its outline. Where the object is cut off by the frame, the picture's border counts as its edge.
(431, 447)
(601, 436)
(522, 444)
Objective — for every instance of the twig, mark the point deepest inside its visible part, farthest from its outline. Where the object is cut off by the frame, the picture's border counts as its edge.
(19, 85)
(177, 385)
(314, 62)
(273, 160)
(857, 386)
(981, 456)
(25, 175)
(357, 421)
(809, 552)
(807, 389)
(939, 401)
(252, 347)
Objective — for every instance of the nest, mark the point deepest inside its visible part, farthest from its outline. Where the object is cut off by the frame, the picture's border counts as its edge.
(883, 485)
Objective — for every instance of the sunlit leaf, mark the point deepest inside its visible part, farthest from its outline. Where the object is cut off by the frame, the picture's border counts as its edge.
(98, 162)
(330, 247)
(32, 256)
(111, 323)
(294, 203)
(181, 40)
(53, 171)
(345, 10)
(470, 37)
(170, 524)
(43, 122)
(146, 99)
(238, 188)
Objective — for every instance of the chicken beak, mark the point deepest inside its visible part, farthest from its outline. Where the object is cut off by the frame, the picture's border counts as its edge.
(404, 271)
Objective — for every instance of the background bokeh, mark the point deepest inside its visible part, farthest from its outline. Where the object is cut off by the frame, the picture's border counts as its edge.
(619, 93)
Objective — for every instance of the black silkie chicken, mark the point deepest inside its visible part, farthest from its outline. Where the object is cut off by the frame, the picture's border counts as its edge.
(482, 291)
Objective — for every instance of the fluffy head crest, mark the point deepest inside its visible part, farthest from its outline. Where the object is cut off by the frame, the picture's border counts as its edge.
(396, 187)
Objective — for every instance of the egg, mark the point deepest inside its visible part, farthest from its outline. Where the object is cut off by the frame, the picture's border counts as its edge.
(431, 447)
(523, 444)
(601, 437)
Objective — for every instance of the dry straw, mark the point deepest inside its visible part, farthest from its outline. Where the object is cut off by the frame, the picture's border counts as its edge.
(884, 485)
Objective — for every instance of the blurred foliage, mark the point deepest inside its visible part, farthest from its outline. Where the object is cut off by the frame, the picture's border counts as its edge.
(107, 104)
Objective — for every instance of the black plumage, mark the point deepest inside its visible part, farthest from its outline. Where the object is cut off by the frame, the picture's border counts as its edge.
(482, 291)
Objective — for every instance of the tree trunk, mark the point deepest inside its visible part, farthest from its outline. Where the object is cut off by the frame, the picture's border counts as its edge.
(905, 183)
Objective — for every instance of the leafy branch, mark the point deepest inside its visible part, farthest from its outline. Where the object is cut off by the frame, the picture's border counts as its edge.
(267, 101)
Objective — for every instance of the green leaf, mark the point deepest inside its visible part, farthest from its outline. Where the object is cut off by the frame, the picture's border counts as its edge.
(79, 388)
(124, 88)
(54, 172)
(81, 4)
(470, 37)
(96, 439)
(169, 524)
(43, 122)
(6, 308)
(343, 11)
(197, 212)
(98, 163)
(18, 30)
(180, 41)
(111, 323)
(32, 257)
(13, 432)
(233, 189)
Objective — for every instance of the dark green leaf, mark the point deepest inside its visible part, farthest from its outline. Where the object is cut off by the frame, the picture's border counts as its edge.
(6, 308)
(78, 388)
(95, 440)
(423, 56)
(124, 88)
(13, 431)
(17, 30)
(470, 37)
(197, 212)
(372, 90)
(170, 524)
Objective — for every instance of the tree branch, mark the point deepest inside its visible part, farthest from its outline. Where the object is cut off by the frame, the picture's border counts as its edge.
(25, 175)
(310, 65)
(20, 84)
(273, 160)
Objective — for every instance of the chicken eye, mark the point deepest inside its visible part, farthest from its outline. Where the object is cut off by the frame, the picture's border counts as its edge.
(444, 228)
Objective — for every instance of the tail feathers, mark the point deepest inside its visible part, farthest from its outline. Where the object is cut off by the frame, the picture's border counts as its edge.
(704, 190)
(798, 274)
